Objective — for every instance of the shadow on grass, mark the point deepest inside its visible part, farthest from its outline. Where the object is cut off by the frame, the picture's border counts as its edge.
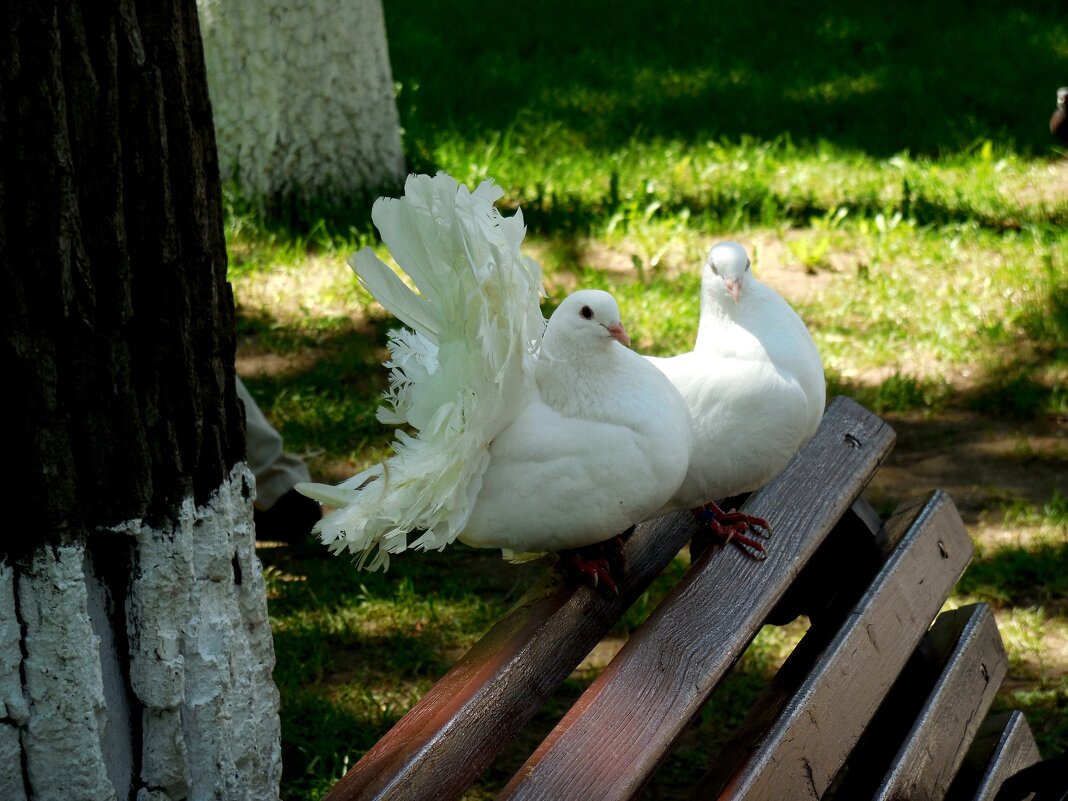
(1018, 391)
(986, 465)
(325, 582)
(324, 385)
(756, 205)
(1021, 577)
(354, 650)
(595, 77)
(318, 738)
(878, 79)
(1027, 378)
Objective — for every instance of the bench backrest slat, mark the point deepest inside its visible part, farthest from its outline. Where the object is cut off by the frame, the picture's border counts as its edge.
(870, 703)
(805, 724)
(971, 674)
(615, 735)
(1003, 746)
(447, 739)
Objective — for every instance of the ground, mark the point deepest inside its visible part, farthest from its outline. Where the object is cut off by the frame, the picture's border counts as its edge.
(997, 469)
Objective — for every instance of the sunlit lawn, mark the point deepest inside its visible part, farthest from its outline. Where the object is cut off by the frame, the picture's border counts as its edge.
(891, 174)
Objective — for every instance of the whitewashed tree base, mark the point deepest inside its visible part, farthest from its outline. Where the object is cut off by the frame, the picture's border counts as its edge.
(175, 686)
(303, 97)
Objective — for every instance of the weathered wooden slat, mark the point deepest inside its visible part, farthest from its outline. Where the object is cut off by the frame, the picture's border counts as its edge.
(810, 717)
(937, 742)
(614, 736)
(940, 693)
(447, 739)
(1003, 746)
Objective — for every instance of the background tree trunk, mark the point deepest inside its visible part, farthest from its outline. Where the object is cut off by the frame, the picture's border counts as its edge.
(303, 96)
(135, 653)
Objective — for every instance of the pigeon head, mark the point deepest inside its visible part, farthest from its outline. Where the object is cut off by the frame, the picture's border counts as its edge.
(586, 319)
(727, 265)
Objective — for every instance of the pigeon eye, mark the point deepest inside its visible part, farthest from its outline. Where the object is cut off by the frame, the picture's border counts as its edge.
(586, 312)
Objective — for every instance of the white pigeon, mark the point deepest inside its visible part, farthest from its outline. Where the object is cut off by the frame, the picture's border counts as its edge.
(754, 383)
(528, 436)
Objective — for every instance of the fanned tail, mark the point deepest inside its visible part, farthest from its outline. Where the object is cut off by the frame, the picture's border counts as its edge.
(457, 378)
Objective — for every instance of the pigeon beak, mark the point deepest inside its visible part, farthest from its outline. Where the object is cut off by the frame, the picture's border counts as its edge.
(618, 333)
(734, 286)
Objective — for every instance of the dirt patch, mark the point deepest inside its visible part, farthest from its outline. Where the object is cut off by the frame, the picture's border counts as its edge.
(1047, 185)
(776, 266)
(773, 262)
(253, 362)
(983, 463)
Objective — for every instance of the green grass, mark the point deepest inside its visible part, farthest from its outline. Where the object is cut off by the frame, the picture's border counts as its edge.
(355, 650)
(892, 166)
(866, 79)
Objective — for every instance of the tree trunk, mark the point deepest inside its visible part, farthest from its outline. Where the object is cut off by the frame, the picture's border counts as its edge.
(135, 652)
(303, 96)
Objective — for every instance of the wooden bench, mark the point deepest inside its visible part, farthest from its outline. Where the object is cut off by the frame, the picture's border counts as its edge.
(874, 702)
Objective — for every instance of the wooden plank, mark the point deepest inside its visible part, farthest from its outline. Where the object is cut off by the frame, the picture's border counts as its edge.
(937, 742)
(927, 721)
(468, 717)
(1002, 747)
(447, 739)
(611, 740)
(810, 717)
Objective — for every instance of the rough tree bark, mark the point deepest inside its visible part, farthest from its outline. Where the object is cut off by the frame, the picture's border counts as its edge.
(303, 96)
(135, 653)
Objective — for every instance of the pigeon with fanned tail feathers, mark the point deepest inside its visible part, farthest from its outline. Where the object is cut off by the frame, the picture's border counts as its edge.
(755, 387)
(528, 436)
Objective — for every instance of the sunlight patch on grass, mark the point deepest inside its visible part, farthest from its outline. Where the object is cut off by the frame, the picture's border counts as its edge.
(1034, 573)
(305, 292)
(1052, 514)
(562, 182)
(1044, 707)
(839, 87)
(1024, 632)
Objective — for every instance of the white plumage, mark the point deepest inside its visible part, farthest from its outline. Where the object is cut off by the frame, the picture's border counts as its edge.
(528, 436)
(754, 383)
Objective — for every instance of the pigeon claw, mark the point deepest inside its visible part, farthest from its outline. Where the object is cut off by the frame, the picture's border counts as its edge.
(712, 511)
(747, 545)
(594, 568)
(735, 526)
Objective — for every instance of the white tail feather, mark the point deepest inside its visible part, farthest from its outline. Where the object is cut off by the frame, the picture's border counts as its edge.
(392, 293)
(326, 494)
(457, 381)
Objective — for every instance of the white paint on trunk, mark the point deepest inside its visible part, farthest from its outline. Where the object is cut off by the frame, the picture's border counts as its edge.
(12, 787)
(63, 682)
(117, 737)
(302, 96)
(14, 711)
(199, 665)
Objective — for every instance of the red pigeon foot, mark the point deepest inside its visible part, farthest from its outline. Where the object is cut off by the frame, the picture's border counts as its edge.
(595, 563)
(728, 527)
